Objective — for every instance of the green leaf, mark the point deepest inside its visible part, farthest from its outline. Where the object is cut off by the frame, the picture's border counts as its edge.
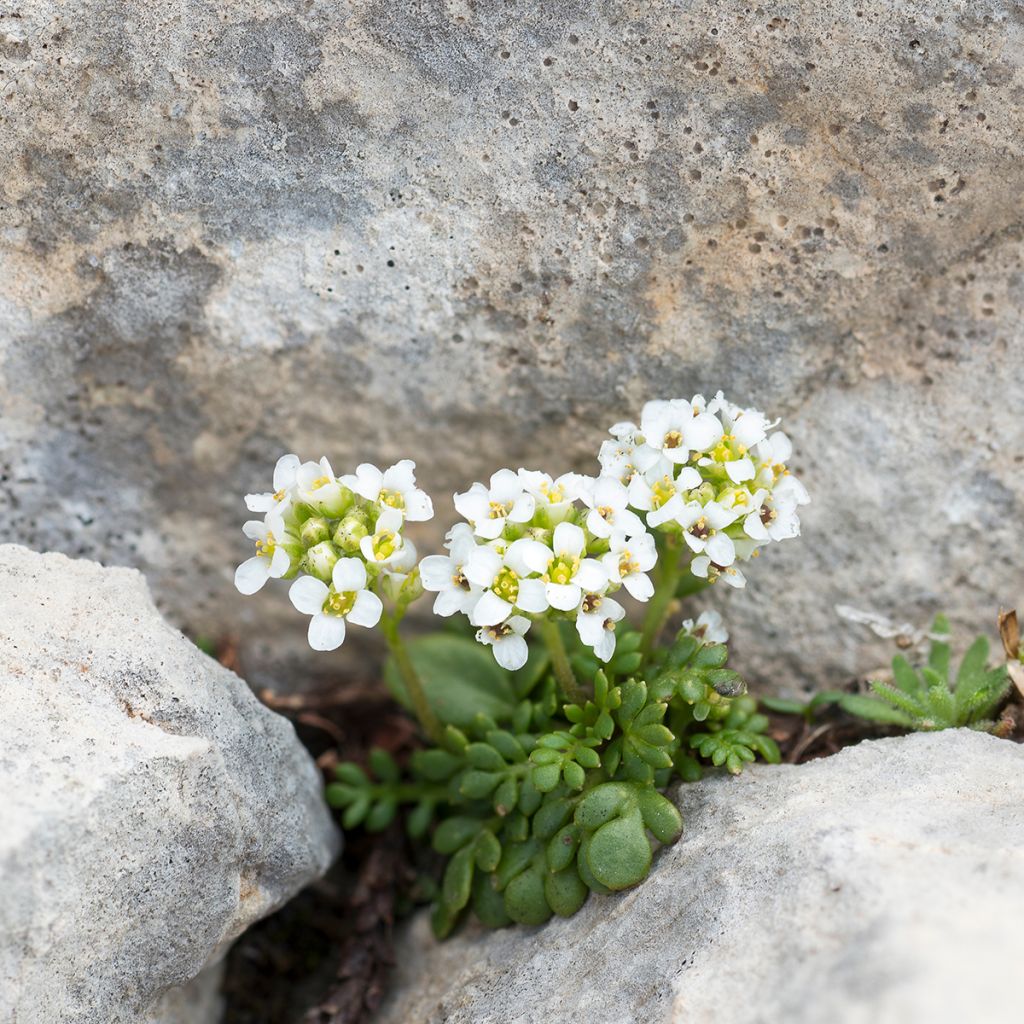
(525, 901)
(351, 774)
(545, 776)
(619, 853)
(487, 850)
(381, 815)
(905, 677)
(938, 656)
(460, 677)
(874, 710)
(783, 706)
(488, 903)
(485, 757)
(565, 891)
(972, 668)
(506, 796)
(453, 833)
(476, 784)
(356, 812)
(551, 817)
(601, 804)
(383, 765)
(434, 764)
(458, 880)
(419, 819)
(660, 815)
(561, 848)
(574, 775)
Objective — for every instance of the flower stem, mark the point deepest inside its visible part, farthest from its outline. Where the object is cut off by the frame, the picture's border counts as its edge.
(669, 571)
(428, 719)
(560, 662)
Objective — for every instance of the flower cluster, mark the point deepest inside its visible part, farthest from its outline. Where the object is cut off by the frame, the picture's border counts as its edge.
(711, 473)
(533, 547)
(343, 534)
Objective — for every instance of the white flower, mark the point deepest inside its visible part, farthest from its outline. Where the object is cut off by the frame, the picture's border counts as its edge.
(510, 650)
(702, 530)
(395, 488)
(384, 546)
(628, 561)
(609, 510)
(565, 573)
(445, 575)
(284, 485)
(773, 517)
(345, 599)
(708, 628)
(488, 508)
(673, 429)
(703, 567)
(555, 497)
(746, 427)
(502, 577)
(319, 488)
(271, 560)
(663, 497)
(595, 623)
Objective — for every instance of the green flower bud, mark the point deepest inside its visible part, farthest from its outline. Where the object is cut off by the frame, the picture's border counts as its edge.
(320, 559)
(350, 531)
(706, 492)
(314, 531)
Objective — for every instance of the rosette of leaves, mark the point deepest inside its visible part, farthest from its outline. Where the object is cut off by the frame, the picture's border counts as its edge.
(537, 803)
(926, 698)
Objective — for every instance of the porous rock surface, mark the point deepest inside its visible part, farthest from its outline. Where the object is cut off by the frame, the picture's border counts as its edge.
(478, 234)
(152, 809)
(878, 886)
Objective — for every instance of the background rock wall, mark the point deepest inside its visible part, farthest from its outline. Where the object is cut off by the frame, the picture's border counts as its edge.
(477, 234)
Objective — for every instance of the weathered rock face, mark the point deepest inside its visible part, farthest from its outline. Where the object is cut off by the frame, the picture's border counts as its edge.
(868, 887)
(477, 236)
(152, 808)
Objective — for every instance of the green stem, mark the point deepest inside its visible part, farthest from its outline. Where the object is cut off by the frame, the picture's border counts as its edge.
(560, 663)
(669, 571)
(413, 684)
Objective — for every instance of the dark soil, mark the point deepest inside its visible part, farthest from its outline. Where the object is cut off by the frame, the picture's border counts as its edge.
(326, 957)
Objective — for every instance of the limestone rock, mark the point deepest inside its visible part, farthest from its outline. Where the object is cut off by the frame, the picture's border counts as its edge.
(879, 886)
(152, 807)
(476, 236)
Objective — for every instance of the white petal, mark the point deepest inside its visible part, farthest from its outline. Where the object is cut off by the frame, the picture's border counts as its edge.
(688, 478)
(255, 529)
(754, 527)
(523, 554)
(482, 566)
(349, 574)
(569, 540)
(326, 632)
(639, 585)
(740, 470)
(519, 623)
(390, 519)
(285, 471)
(490, 610)
(510, 652)
(700, 565)
(749, 428)
(629, 522)
(448, 602)
(489, 529)
(720, 549)
(251, 575)
(400, 477)
(564, 596)
(366, 549)
(590, 626)
(436, 572)
(532, 596)
(367, 609)
(591, 575)
(597, 524)
(259, 502)
(308, 594)
(523, 509)
(605, 646)
(368, 481)
(418, 506)
(505, 486)
(701, 432)
(280, 563)
(472, 504)
(610, 492)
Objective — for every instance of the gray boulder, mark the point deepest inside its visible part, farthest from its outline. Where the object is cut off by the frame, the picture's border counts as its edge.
(879, 886)
(152, 807)
(226, 232)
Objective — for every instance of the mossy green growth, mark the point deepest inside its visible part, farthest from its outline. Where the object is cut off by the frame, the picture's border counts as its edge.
(537, 802)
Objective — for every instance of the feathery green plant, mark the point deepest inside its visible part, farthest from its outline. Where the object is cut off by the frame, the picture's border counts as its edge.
(536, 803)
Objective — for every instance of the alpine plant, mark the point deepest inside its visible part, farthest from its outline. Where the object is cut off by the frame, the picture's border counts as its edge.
(552, 724)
